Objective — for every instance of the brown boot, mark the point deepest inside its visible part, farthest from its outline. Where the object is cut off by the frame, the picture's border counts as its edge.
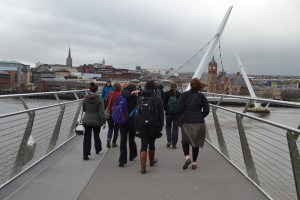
(143, 158)
(151, 157)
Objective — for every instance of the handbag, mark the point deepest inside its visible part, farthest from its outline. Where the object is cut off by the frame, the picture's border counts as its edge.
(181, 117)
(107, 110)
(79, 129)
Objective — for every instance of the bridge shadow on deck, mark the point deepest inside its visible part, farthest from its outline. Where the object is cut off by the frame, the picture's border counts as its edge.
(69, 177)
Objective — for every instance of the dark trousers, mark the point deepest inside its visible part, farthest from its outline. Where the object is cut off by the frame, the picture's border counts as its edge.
(172, 128)
(148, 137)
(186, 151)
(88, 137)
(127, 131)
(113, 128)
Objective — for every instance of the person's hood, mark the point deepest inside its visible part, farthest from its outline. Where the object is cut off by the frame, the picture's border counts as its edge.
(92, 98)
(147, 92)
(107, 85)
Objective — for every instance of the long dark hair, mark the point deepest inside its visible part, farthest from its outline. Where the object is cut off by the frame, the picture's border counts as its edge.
(93, 87)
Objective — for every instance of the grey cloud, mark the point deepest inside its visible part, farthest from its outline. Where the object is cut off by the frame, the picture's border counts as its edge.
(151, 34)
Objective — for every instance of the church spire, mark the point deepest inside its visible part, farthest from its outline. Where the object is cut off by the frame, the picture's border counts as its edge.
(103, 63)
(213, 60)
(69, 59)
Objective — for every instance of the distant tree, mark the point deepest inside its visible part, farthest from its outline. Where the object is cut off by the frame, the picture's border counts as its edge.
(290, 95)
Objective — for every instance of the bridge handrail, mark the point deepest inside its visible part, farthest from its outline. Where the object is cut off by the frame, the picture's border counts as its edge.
(39, 93)
(38, 108)
(288, 103)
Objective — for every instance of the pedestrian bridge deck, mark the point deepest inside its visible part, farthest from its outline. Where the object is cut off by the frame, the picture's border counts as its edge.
(70, 177)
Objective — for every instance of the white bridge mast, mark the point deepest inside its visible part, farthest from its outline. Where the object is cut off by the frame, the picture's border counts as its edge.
(249, 86)
(209, 52)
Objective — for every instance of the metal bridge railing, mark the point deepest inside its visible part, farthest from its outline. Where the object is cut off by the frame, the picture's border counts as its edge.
(265, 151)
(29, 135)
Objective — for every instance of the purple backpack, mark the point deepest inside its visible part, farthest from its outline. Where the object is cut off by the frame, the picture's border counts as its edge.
(119, 110)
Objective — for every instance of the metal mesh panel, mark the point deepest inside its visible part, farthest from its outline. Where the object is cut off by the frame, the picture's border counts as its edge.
(269, 150)
(12, 129)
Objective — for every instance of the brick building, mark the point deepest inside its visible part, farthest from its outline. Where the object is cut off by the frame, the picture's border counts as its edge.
(225, 83)
(16, 72)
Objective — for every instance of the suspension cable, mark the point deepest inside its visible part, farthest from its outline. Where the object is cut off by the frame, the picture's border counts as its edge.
(221, 54)
(197, 53)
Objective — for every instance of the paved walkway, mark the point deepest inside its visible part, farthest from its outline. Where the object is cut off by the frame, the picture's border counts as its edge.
(70, 178)
(215, 178)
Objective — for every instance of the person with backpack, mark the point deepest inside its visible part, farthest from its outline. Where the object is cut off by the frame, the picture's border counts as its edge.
(123, 113)
(160, 91)
(93, 119)
(171, 108)
(150, 121)
(194, 107)
(113, 127)
(105, 90)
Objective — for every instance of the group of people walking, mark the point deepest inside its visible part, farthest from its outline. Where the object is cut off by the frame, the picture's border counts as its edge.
(141, 113)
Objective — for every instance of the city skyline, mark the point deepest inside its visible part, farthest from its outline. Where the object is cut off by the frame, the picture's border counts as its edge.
(152, 34)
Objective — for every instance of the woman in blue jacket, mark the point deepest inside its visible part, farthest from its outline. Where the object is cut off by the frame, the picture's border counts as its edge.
(106, 89)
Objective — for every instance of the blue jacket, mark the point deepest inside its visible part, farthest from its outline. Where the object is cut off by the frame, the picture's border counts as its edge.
(106, 89)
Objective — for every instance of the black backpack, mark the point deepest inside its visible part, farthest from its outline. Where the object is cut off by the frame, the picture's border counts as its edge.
(147, 111)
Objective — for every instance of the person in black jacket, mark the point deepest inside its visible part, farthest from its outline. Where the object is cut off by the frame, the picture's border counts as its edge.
(128, 129)
(171, 108)
(194, 106)
(149, 129)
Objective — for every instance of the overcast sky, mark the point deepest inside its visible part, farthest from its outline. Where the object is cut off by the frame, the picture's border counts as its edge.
(152, 33)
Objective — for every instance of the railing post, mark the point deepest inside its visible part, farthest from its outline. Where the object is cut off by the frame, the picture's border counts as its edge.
(56, 131)
(251, 170)
(17, 168)
(71, 133)
(295, 158)
(221, 140)
(247, 106)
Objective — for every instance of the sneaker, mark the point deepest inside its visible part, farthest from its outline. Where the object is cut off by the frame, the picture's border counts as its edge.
(168, 144)
(194, 166)
(114, 145)
(108, 144)
(187, 163)
(174, 146)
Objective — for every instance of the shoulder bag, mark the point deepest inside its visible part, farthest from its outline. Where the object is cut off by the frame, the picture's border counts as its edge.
(107, 110)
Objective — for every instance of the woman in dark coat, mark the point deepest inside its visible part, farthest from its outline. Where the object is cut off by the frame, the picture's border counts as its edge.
(128, 130)
(92, 121)
(194, 105)
(149, 132)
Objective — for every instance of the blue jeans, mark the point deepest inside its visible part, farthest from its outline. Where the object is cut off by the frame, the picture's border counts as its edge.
(113, 127)
(172, 128)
